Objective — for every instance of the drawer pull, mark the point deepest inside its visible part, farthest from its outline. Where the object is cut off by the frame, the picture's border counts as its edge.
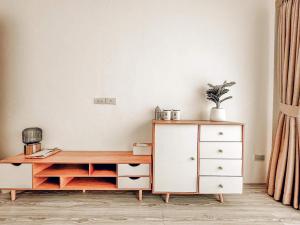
(134, 165)
(220, 186)
(134, 178)
(220, 151)
(16, 164)
(192, 158)
(221, 133)
(220, 168)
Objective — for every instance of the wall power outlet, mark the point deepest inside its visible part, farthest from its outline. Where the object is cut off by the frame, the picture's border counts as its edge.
(259, 157)
(105, 101)
(99, 100)
(111, 101)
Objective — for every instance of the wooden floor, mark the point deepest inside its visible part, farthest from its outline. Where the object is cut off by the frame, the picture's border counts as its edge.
(38, 208)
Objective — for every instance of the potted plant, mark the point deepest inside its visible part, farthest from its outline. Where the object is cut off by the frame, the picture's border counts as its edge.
(214, 94)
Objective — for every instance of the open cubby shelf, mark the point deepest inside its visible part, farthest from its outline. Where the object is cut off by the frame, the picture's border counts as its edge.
(49, 184)
(65, 170)
(78, 170)
(103, 170)
(78, 183)
(92, 183)
(76, 177)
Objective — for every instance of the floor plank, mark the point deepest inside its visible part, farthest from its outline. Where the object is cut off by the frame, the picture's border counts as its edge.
(253, 207)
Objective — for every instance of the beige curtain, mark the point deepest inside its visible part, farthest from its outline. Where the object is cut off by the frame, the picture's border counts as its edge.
(284, 169)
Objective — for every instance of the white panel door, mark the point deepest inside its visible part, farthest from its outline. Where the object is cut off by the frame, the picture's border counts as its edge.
(175, 158)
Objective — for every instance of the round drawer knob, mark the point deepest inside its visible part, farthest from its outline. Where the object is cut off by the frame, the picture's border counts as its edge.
(220, 167)
(192, 158)
(220, 151)
(220, 186)
(221, 133)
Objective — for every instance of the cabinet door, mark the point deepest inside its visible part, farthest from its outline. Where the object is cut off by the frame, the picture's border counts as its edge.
(175, 158)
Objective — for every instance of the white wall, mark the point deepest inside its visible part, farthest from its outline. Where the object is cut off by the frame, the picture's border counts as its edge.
(57, 55)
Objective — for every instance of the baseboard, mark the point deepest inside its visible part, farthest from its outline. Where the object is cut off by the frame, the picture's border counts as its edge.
(255, 183)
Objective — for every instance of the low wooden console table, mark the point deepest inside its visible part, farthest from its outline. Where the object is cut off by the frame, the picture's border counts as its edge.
(77, 170)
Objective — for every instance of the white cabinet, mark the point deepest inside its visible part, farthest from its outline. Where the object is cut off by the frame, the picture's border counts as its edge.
(221, 153)
(15, 175)
(175, 158)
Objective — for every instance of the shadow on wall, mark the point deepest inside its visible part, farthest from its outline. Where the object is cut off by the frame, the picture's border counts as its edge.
(3, 81)
(263, 86)
(205, 105)
(142, 132)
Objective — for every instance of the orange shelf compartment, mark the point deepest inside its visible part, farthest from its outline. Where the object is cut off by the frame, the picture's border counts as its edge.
(103, 170)
(65, 170)
(91, 183)
(51, 183)
(104, 173)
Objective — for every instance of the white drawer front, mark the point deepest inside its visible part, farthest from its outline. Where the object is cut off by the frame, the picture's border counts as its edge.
(221, 133)
(219, 185)
(219, 167)
(133, 170)
(133, 183)
(221, 150)
(15, 176)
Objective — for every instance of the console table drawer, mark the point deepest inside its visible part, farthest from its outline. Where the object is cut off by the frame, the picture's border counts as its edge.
(133, 182)
(220, 185)
(133, 170)
(221, 150)
(220, 133)
(219, 167)
(15, 175)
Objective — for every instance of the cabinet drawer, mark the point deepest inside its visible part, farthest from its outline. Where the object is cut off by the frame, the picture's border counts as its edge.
(219, 167)
(133, 182)
(221, 133)
(219, 185)
(15, 175)
(133, 169)
(221, 150)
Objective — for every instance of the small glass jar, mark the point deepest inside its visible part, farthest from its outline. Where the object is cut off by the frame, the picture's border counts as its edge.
(176, 114)
(166, 115)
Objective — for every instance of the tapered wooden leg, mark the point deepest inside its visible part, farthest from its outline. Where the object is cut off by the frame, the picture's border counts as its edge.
(13, 195)
(221, 198)
(83, 191)
(140, 195)
(167, 198)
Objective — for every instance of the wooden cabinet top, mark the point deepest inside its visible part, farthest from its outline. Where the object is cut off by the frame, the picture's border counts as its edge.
(198, 122)
(85, 157)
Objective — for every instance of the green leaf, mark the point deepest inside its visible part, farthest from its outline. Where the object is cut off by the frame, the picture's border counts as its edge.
(224, 99)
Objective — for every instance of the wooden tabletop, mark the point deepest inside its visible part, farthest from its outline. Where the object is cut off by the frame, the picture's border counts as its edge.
(198, 122)
(73, 157)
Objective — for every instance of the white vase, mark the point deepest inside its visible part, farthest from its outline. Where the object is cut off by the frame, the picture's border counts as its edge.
(217, 114)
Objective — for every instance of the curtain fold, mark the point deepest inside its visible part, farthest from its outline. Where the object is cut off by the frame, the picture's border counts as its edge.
(284, 168)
